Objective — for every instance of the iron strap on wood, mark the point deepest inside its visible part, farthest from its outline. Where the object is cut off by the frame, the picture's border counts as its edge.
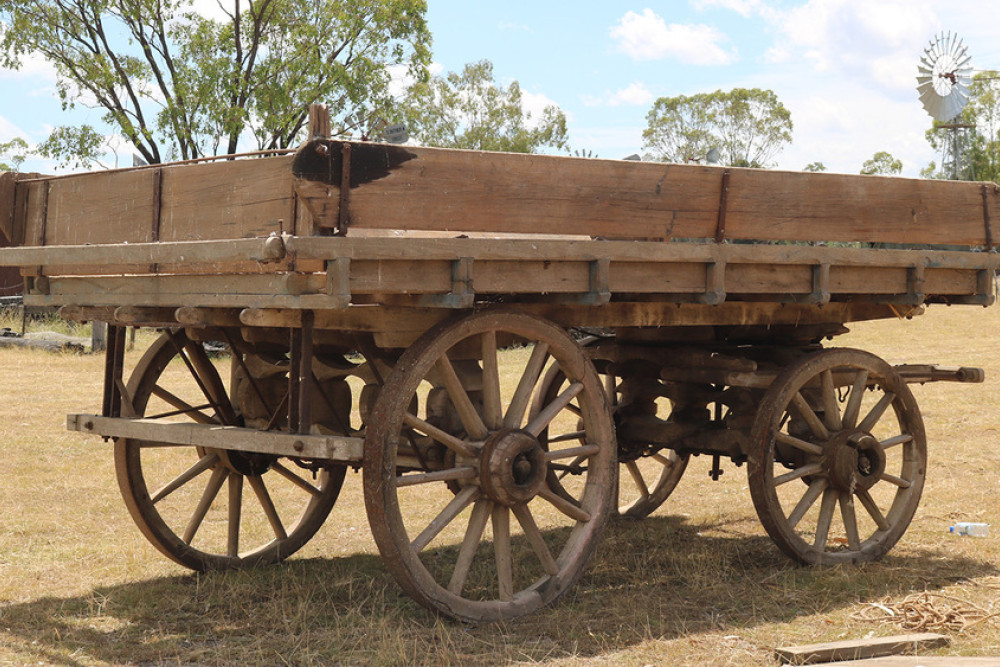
(720, 228)
(344, 217)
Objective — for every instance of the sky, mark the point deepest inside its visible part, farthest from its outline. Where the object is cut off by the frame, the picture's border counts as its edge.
(845, 69)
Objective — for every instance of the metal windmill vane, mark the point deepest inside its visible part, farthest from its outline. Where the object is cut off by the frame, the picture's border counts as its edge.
(945, 74)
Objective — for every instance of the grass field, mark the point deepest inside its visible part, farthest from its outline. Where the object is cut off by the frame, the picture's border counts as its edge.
(696, 583)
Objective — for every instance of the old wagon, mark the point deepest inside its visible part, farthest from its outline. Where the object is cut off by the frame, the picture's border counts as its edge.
(491, 338)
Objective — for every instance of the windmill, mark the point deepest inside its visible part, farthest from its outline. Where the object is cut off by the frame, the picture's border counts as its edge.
(945, 74)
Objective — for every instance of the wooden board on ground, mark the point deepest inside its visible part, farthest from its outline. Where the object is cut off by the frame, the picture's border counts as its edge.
(861, 648)
(922, 661)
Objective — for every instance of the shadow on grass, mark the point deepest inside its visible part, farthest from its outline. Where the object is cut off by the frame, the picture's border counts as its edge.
(655, 579)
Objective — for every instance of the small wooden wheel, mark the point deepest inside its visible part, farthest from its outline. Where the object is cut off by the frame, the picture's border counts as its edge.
(442, 483)
(645, 482)
(173, 491)
(839, 427)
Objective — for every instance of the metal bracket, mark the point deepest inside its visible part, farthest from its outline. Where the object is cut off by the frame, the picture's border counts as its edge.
(715, 283)
(462, 294)
(338, 281)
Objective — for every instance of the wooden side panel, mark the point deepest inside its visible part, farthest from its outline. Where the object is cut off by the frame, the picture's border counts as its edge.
(823, 207)
(468, 191)
(110, 207)
(7, 207)
(226, 200)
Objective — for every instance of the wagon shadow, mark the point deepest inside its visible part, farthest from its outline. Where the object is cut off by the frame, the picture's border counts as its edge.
(660, 578)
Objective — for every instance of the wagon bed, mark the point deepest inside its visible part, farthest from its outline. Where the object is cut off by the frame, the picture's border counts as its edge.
(368, 296)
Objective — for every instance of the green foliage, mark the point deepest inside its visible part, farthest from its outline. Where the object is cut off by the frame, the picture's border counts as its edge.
(12, 154)
(74, 147)
(748, 126)
(979, 144)
(882, 163)
(179, 85)
(469, 110)
(814, 167)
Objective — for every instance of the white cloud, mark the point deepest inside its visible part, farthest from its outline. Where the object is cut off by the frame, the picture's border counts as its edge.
(633, 95)
(9, 130)
(647, 36)
(742, 7)
(534, 104)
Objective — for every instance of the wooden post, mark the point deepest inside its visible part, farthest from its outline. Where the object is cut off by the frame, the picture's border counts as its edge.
(99, 336)
(319, 121)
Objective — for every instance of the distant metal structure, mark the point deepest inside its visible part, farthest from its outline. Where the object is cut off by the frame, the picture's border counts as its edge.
(943, 81)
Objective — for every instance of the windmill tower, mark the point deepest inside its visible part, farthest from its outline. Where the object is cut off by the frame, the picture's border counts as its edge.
(945, 74)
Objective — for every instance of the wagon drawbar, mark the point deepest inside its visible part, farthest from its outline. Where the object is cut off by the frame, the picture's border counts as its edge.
(512, 348)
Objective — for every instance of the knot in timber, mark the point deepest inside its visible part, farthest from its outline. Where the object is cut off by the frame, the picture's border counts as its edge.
(854, 460)
(512, 468)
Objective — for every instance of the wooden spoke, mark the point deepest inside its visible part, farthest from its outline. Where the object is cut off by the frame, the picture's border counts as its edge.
(492, 408)
(804, 471)
(660, 458)
(471, 420)
(893, 479)
(850, 519)
(502, 552)
(446, 516)
(545, 417)
(568, 508)
(203, 464)
(183, 408)
(235, 508)
(872, 418)
(901, 439)
(831, 410)
(473, 535)
(266, 504)
(522, 395)
(566, 437)
(807, 447)
(535, 539)
(453, 443)
(873, 511)
(610, 388)
(449, 474)
(826, 509)
(807, 413)
(574, 409)
(853, 408)
(806, 501)
(203, 370)
(640, 483)
(211, 491)
(573, 466)
(296, 480)
(583, 452)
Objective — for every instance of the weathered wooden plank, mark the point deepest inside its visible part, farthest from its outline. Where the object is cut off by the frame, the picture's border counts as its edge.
(922, 661)
(447, 190)
(861, 648)
(341, 449)
(97, 257)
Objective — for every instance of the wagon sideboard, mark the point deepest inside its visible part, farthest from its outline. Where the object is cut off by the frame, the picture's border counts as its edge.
(341, 224)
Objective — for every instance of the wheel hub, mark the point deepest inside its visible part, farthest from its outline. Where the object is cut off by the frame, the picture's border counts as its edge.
(246, 463)
(512, 467)
(855, 460)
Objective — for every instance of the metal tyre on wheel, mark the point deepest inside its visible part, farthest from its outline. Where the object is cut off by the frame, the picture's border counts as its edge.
(269, 508)
(470, 528)
(838, 458)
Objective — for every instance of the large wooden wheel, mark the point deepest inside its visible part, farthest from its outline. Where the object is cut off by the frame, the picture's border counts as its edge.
(455, 476)
(645, 481)
(270, 508)
(838, 458)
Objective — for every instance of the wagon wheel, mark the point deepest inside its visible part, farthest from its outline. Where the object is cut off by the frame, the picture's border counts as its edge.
(645, 482)
(839, 427)
(173, 491)
(447, 534)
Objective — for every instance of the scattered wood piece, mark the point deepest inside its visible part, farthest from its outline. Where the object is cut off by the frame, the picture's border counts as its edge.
(925, 661)
(860, 648)
(41, 344)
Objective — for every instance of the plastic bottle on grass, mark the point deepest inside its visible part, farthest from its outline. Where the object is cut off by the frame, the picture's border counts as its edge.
(970, 529)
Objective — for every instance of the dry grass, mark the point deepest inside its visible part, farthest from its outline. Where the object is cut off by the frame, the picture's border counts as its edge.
(697, 583)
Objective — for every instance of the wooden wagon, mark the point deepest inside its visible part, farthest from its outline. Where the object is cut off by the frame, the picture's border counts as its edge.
(490, 337)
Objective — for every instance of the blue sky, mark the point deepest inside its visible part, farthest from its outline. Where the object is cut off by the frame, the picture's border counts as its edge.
(844, 68)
